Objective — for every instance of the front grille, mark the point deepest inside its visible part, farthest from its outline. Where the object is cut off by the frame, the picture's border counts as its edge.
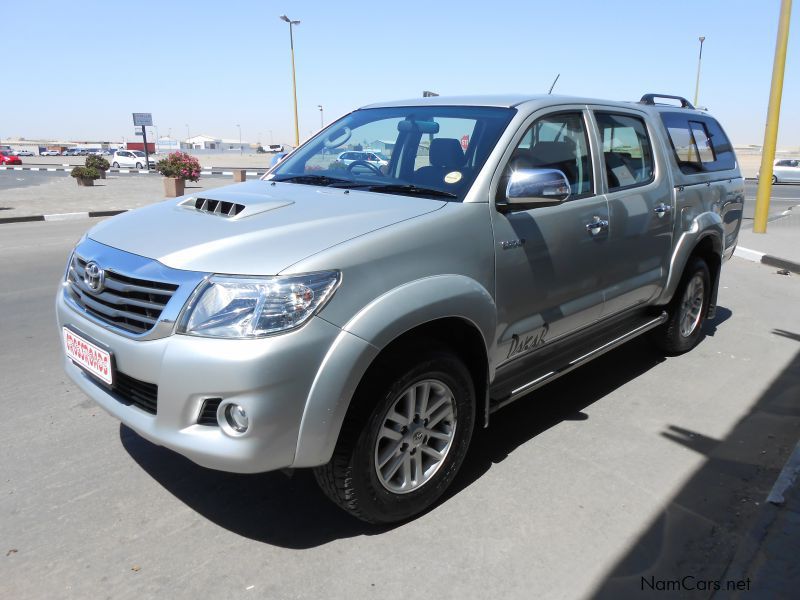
(208, 414)
(139, 393)
(127, 302)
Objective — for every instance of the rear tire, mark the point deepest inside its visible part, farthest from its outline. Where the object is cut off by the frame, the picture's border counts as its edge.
(115, 165)
(404, 437)
(138, 165)
(774, 179)
(687, 311)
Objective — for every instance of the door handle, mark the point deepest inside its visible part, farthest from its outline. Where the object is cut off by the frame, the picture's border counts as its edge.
(596, 226)
(662, 209)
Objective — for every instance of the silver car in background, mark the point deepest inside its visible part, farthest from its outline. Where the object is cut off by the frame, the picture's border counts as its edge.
(363, 319)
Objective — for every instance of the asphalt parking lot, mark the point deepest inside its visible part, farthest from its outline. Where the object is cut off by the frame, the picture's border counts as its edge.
(577, 491)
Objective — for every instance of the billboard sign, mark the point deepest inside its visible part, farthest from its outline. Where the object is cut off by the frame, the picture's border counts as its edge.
(143, 119)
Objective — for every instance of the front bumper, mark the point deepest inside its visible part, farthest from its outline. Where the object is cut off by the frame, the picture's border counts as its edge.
(270, 377)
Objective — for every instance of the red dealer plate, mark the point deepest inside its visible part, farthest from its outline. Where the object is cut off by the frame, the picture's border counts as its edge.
(87, 355)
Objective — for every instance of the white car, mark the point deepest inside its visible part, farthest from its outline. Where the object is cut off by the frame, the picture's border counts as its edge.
(786, 170)
(130, 159)
(371, 158)
(22, 153)
(50, 153)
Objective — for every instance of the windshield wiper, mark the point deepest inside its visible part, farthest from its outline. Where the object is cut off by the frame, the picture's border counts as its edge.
(410, 190)
(314, 180)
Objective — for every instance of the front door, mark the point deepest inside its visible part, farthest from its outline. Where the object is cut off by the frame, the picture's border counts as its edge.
(549, 260)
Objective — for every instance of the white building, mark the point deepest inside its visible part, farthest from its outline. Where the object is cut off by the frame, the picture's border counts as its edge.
(212, 144)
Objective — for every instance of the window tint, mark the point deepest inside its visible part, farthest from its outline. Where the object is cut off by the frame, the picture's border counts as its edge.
(627, 153)
(557, 142)
(699, 143)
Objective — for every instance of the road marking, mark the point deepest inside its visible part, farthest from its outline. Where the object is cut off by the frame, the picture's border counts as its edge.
(67, 216)
(52, 169)
(35, 169)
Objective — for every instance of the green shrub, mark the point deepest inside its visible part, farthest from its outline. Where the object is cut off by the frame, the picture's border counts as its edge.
(97, 162)
(85, 173)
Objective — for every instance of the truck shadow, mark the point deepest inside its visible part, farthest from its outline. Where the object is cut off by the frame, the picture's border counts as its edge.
(291, 511)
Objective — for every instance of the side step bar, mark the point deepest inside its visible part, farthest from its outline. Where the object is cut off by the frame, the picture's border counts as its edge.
(582, 359)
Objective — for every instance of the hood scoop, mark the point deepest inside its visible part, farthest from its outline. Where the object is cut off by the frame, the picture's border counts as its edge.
(230, 209)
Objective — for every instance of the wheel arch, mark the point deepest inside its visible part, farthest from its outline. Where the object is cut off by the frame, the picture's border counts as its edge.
(704, 238)
(449, 309)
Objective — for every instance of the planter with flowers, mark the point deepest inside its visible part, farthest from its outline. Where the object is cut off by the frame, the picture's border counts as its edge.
(176, 169)
(99, 163)
(85, 175)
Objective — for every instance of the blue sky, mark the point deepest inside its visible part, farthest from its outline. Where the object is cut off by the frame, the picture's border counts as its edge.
(80, 70)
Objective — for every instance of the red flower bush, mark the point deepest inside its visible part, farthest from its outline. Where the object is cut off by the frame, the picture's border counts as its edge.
(181, 165)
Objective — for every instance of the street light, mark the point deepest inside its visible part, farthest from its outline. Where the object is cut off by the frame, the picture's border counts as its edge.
(240, 139)
(699, 59)
(321, 121)
(188, 137)
(294, 81)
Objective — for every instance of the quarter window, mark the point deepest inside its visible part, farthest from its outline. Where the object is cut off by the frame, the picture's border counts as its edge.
(699, 143)
(627, 153)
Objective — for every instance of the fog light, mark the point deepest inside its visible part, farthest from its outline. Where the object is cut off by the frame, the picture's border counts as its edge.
(235, 418)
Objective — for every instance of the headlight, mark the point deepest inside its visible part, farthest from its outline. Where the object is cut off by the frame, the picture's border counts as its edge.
(252, 307)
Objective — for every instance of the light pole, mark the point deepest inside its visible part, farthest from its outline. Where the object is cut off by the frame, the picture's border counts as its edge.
(240, 139)
(699, 59)
(321, 120)
(188, 136)
(294, 80)
(765, 176)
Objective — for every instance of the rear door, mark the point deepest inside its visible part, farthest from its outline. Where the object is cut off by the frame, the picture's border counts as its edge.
(641, 207)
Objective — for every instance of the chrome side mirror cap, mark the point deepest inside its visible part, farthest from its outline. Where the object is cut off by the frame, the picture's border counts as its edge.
(537, 186)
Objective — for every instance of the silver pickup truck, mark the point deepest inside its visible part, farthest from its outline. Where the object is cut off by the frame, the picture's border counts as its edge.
(362, 319)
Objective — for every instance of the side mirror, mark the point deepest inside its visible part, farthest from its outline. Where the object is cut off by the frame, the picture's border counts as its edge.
(537, 186)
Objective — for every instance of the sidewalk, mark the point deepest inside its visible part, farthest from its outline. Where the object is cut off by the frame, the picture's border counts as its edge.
(61, 198)
(767, 558)
(778, 247)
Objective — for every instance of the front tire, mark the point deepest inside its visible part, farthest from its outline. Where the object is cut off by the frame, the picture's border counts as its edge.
(774, 179)
(687, 311)
(404, 438)
(138, 165)
(115, 165)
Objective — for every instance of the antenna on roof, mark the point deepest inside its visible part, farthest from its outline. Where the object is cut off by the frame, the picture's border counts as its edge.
(554, 84)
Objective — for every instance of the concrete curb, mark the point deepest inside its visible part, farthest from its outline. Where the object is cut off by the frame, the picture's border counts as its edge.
(767, 259)
(211, 171)
(63, 216)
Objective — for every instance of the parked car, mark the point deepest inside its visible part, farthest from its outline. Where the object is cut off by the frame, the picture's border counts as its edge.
(371, 158)
(73, 152)
(22, 153)
(130, 159)
(365, 324)
(50, 153)
(785, 170)
(8, 158)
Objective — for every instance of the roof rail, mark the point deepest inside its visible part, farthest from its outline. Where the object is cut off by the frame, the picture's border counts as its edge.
(650, 99)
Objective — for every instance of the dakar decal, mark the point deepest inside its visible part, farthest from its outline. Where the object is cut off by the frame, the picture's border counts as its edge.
(520, 345)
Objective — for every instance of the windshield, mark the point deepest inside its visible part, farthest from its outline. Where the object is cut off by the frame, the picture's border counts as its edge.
(427, 151)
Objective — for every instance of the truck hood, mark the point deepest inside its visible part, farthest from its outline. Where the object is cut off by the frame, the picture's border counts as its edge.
(254, 228)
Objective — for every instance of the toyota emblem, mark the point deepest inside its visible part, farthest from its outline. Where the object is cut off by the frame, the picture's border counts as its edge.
(94, 277)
